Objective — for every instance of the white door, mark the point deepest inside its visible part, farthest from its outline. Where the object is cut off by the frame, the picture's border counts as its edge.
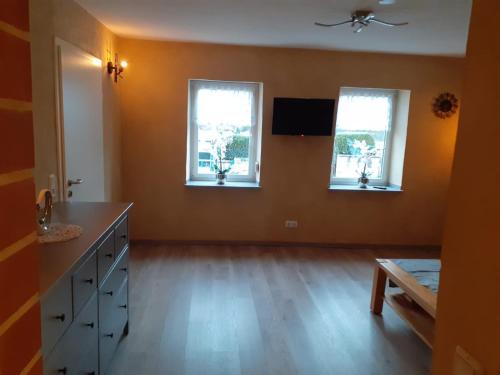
(80, 124)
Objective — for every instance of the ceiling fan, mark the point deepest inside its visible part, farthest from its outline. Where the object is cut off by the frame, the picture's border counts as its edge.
(361, 19)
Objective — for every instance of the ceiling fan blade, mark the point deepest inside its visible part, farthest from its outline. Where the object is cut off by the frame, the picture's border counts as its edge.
(388, 23)
(332, 24)
(359, 29)
(369, 17)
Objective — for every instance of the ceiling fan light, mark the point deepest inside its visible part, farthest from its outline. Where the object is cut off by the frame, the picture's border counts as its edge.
(361, 19)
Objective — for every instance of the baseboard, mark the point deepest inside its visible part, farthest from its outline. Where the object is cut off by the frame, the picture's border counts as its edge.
(286, 244)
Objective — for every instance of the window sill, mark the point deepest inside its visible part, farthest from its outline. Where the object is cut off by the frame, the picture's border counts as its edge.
(227, 185)
(378, 189)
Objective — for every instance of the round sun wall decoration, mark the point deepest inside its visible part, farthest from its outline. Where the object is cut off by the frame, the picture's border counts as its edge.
(445, 105)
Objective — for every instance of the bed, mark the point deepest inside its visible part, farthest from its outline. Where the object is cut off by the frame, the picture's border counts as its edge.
(409, 287)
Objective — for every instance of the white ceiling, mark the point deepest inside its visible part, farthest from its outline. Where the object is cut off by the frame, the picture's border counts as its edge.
(437, 27)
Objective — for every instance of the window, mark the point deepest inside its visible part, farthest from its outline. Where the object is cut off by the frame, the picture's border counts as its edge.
(363, 135)
(224, 126)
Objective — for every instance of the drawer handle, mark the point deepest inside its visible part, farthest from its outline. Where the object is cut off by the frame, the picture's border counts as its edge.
(124, 269)
(110, 335)
(123, 236)
(109, 293)
(90, 325)
(61, 317)
(88, 281)
(123, 306)
(110, 255)
(63, 370)
(91, 373)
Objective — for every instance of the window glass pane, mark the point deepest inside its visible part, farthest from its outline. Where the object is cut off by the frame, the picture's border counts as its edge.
(223, 116)
(363, 124)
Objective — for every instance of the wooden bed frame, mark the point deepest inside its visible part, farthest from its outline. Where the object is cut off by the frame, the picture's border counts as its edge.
(413, 302)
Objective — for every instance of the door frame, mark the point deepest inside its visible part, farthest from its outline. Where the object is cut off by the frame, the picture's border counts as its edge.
(61, 161)
(62, 187)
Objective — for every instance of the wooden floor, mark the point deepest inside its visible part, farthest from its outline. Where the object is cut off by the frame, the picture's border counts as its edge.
(262, 310)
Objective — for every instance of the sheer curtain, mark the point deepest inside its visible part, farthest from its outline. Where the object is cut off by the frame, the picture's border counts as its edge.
(365, 109)
(223, 104)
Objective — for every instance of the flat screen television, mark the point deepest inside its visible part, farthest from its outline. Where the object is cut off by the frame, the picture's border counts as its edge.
(295, 116)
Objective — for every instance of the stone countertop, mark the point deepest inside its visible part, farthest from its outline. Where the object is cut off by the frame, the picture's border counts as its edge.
(56, 259)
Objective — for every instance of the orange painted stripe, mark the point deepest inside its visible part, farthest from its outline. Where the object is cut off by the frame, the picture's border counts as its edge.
(21, 341)
(16, 13)
(20, 270)
(16, 142)
(18, 246)
(15, 68)
(15, 105)
(31, 363)
(16, 176)
(17, 212)
(37, 369)
(4, 327)
(14, 31)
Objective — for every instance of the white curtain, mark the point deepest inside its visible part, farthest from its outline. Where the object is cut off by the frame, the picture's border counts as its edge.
(224, 104)
(365, 109)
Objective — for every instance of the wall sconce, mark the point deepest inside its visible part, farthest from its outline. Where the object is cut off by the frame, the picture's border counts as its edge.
(116, 69)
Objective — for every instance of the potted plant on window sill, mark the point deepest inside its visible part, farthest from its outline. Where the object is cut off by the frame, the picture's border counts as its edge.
(221, 172)
(363, 179)
(366, 153)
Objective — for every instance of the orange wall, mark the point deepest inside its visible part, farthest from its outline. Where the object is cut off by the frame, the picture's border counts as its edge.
(469, 297)
(295, 171)
(19, 300)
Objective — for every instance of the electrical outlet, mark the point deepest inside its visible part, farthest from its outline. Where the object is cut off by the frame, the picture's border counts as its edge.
(291, 224)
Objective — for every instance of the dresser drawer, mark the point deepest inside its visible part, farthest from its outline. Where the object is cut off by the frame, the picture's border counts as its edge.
(122, 264)
(105, 256)
(56, 313)
(109, 289)
(108, 340)
(121, 307)
(90, 359)
(84, 283)
(77, 351)
(111, 326)
(84, 337)
(121, 235)
(115, 314)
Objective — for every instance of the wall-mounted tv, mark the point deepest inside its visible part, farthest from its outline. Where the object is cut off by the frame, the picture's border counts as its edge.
(295, 116)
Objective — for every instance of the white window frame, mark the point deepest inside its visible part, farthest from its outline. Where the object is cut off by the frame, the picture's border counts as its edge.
(384, 181)
(255, 139)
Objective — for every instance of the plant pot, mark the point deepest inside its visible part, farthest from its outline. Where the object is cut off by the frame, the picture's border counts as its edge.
(363, 182)
(221, 178)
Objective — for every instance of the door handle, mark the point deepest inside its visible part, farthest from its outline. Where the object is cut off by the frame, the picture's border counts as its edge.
(78, 181)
